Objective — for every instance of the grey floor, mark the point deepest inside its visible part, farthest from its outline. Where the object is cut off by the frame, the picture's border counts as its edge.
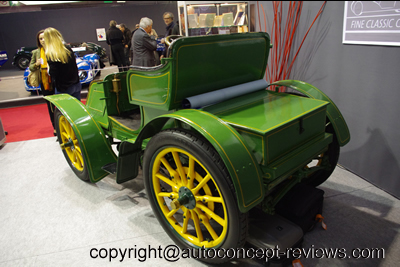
(12, 84)
(49, 217)
(13, 92)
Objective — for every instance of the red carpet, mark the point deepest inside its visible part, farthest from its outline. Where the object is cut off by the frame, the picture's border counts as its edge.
(27, 122)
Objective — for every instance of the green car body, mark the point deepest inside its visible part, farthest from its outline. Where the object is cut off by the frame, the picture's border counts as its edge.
(264, 138)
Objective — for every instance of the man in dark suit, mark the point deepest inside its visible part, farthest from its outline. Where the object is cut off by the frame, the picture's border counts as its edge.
(144, 45)
(171, 29)
(114, 38)
(127, 42)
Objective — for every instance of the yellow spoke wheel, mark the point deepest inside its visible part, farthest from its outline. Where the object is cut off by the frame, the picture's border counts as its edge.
(70, 144)
(188, 191)
(191, 192)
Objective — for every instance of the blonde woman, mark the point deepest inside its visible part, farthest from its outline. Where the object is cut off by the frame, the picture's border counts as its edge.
(39, 61)
(62, 65)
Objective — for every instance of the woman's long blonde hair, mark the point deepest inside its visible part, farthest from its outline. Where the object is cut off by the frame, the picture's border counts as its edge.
(55, 49)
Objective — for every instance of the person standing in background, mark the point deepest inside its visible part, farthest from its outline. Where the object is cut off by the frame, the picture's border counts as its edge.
(62, 65)
(114, 38)
(133, 32)
(171, 29)
(127, 42)
(39, 61)
(144, 44)
(156, 54)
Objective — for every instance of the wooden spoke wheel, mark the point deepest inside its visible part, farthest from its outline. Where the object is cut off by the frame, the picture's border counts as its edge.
(191, 192)
(71, 146)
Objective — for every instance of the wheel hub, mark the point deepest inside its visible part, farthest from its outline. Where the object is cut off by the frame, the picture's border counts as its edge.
(186, 198)
(70, 143)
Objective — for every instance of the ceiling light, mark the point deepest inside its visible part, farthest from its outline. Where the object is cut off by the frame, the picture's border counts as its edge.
(37, 3)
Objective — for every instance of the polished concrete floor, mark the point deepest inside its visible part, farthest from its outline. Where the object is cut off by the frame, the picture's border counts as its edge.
(12, 84)
(13, 92)
(51, 218)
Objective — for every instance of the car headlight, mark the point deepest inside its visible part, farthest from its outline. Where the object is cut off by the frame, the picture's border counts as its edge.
(82, 75)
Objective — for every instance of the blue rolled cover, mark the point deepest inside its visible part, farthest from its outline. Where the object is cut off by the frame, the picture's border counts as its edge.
(220, 95)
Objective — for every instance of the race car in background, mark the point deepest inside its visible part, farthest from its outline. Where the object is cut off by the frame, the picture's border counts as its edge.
(23, 56)
(3, 57)
(88, 64)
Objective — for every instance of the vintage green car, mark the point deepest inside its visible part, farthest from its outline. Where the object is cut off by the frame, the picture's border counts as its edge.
(211, 138)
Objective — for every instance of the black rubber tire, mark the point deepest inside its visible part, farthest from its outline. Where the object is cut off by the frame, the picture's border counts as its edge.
(332, 153)
(198, 147)
(84, 173)
(22, 62)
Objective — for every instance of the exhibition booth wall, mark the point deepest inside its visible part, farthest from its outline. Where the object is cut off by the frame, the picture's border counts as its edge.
(77, 24)
(362, 80)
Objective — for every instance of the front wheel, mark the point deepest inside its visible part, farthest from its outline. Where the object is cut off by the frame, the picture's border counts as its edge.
(191, 193)
(71, 146)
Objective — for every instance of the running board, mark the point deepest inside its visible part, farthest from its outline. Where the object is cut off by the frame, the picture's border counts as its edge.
(111, 168)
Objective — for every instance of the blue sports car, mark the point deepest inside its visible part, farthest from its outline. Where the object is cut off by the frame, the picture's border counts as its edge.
(3, 57)
(88, 64)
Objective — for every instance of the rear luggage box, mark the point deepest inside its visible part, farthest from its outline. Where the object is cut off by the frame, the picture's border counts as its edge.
(283, 131)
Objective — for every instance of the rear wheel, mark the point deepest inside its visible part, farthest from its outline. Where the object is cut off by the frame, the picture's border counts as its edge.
(325, 163)
(191, 193)
(71, 146)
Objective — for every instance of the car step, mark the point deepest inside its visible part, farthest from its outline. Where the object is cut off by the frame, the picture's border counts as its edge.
(110, 168)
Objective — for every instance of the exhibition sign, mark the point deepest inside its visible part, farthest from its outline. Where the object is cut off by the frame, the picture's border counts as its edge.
(372, 22)
(101, 34)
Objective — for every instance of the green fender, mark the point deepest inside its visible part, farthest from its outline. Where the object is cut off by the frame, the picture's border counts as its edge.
(240, 162)
(333, 113)
(95, 146)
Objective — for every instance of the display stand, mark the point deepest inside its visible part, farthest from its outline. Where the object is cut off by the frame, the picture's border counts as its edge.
(215, 17)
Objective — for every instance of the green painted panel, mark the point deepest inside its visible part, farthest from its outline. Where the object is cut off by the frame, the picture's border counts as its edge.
(94, 144)
(333, 113)
(198, 65)
(292, 135)
(255, 143)
(150, 113)
(284, 121)
(150, 89)
(121, 131)
(117, 103)
(214, 67)
(230, 145)
(264, 111)
(96, 103)
(296, 159)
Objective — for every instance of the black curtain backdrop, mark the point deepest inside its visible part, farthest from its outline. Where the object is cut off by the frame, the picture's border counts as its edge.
(77, 24)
